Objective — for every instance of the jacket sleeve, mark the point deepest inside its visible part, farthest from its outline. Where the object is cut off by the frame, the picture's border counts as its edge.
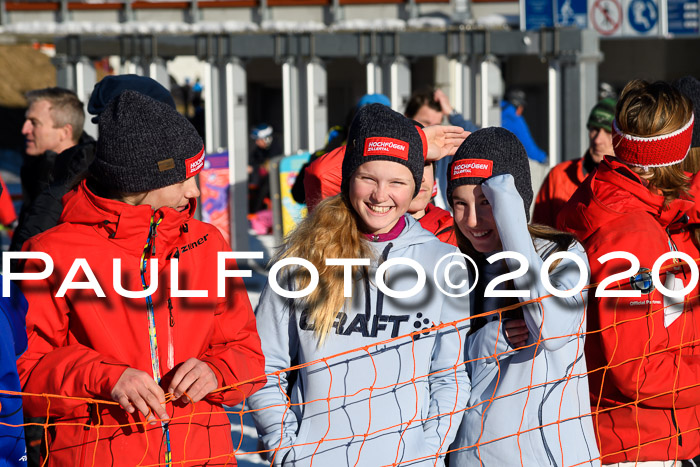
(54, 362)
(275, 420)
(234, 350)
(449, 382)
(553, 321)
(323, 177)
(458, 119)
(42, 214)
(485, 347)
(647, 361)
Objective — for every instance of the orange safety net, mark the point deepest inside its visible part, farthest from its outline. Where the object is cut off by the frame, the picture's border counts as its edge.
(599, 406)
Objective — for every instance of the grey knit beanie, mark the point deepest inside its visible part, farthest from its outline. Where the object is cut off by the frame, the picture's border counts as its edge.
(690, 87)
(488, 152)
(378, 133)
(145, 145)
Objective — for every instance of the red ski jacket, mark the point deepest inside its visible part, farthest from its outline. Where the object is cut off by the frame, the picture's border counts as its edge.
(7, 210)
(682, 232)
(561, 182)
(440, 223)
(643, 353)
(80, 344)
(323, 177)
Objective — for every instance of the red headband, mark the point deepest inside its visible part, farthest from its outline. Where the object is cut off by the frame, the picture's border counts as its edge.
(653, 151)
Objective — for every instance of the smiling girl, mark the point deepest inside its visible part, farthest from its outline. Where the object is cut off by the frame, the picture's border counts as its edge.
(364, 395)
(529, 400)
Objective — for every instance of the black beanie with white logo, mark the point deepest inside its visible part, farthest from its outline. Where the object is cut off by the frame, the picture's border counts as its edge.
(378, 133)
(144, 145)
(488, 152)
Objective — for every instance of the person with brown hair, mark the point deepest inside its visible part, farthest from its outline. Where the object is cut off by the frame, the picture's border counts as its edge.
(367, 392)
(642, 343)
(529, 401)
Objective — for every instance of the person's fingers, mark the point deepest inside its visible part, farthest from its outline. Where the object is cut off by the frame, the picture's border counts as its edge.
(125, 404)
(181, 372)
(138, 401)
(515, 332)
(205, 383)
(185, 384)
(196, 392)
(155, 402)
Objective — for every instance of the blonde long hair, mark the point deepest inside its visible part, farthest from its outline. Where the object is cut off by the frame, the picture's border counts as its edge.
(329, 231)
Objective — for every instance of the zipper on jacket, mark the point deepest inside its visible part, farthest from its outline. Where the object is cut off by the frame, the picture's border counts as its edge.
(170, 310)
(675, 425)
(672, 247)
(85, 436)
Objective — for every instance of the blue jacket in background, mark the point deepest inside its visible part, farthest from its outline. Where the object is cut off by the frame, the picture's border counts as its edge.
(12, 344)
(516, 124)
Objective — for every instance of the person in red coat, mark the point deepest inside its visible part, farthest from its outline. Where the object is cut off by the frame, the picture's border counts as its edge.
(642, 352)
(141, 379)
(8, 215)
(563, 180)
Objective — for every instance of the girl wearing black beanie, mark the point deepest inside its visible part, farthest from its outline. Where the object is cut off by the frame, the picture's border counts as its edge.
(529, 400)
(366, 391)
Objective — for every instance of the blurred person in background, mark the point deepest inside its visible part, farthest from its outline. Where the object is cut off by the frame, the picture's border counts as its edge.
(54, 123)
(71, 166)
(563, 180)
(512, 108)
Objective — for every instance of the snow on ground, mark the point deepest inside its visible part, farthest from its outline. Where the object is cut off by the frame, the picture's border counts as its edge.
(242, 426)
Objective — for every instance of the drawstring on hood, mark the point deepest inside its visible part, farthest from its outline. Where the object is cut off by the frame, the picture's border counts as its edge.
(153, 341)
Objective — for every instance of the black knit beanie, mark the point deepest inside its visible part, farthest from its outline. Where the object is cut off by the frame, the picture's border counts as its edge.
(377, 133)
(690, 87)
(488, 152)
(145, 145)
(113, 85)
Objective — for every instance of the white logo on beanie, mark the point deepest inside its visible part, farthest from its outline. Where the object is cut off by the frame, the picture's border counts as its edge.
(194, 164)
(472, 168)
(386, 147)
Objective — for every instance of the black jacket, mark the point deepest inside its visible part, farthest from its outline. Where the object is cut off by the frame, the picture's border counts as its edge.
(42, 210)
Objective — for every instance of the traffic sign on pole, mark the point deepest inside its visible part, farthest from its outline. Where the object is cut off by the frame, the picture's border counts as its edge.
(606, 17)
(572, 13)
(641, 18)
(683, 17)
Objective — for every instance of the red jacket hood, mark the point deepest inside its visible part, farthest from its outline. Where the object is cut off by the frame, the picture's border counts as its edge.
(121, 222)
(610, 192)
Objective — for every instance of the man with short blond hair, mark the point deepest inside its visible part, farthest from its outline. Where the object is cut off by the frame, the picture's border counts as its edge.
(54, 120)
(53, 123)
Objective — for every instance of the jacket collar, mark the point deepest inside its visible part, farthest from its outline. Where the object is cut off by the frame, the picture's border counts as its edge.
(126, 225)
(621, 175)
(611, 191)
